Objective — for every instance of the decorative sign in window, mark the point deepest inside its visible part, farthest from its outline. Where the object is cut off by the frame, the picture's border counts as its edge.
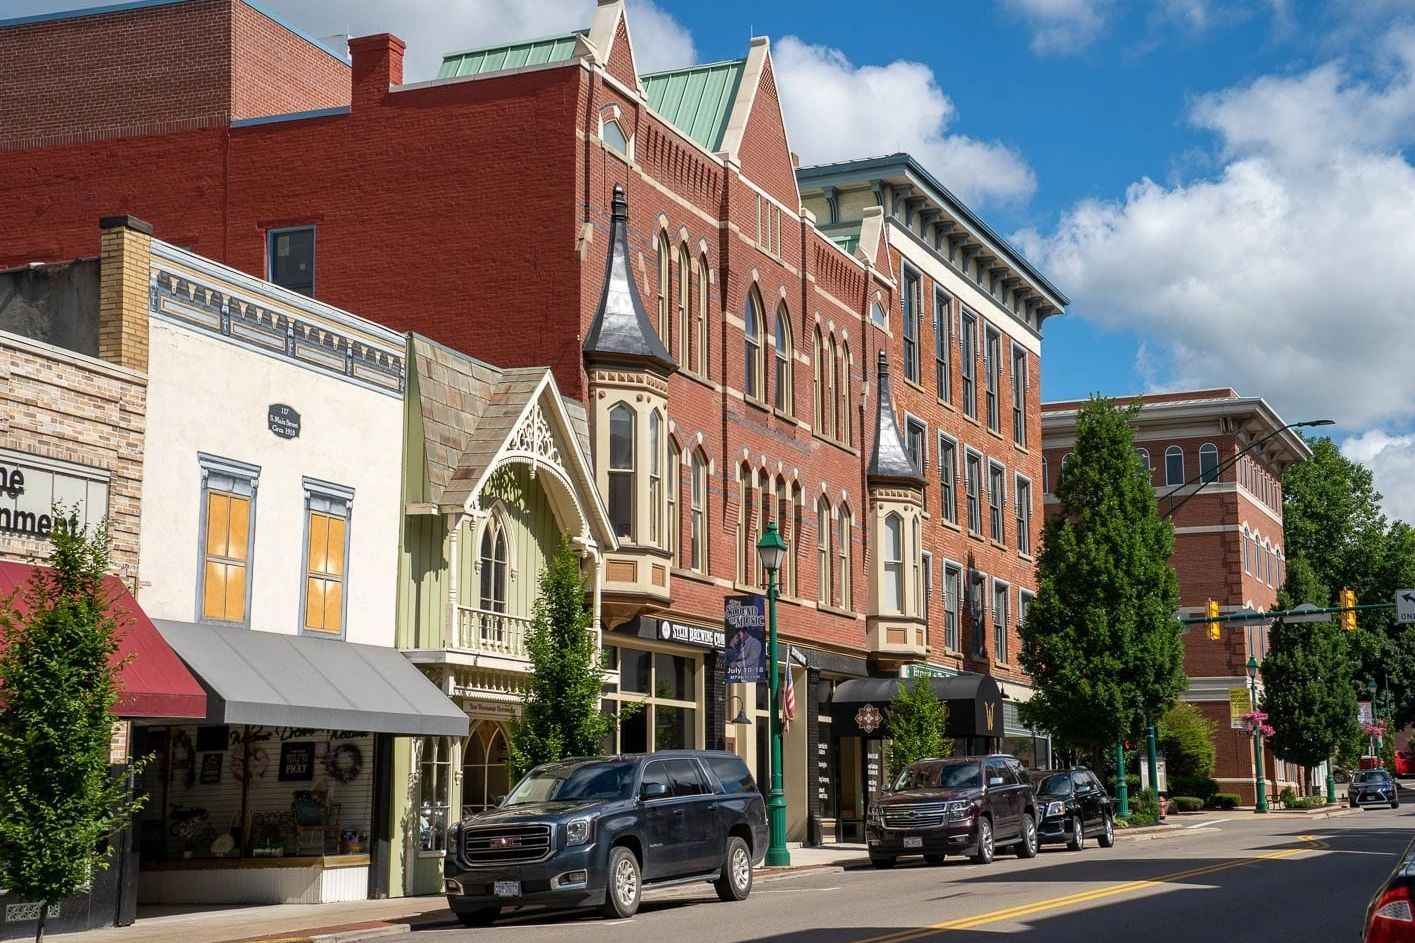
(296, 761)
(31, 486)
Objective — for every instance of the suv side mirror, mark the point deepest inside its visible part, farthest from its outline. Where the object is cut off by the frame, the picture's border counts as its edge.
(653, 791)
(994, 780)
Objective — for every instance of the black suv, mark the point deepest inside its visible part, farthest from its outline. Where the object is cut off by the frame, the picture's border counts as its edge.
(1373, 787)
(965, 805)
(596, 832)
(1074, 806)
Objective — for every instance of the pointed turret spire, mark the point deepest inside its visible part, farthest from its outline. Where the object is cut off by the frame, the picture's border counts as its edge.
(622, 331)
(889, 462)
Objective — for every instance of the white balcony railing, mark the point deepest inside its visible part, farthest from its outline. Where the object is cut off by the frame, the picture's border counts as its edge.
(494, 633)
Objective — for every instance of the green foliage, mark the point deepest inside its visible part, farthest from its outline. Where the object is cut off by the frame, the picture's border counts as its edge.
(1387, 749)
(1307, 690)
(561, 714)
(1100, 640)
(1307, 802)
(60, 801)
(1224, 800)
(1201, 786)
(1187, 738)
(1287, 796)
(1144, 808)
(917, 721)
(1187, 803)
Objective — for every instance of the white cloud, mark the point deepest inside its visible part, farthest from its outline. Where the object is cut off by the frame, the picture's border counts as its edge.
(1061, 26)
(1392, 463)
(432, 28)
(836, 110)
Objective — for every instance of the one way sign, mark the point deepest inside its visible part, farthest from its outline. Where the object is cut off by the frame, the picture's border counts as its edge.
(1405, 605)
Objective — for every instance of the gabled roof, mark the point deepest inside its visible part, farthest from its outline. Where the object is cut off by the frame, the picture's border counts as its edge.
(512, 56)
(889, 461)
(697, 100)
(622, 331)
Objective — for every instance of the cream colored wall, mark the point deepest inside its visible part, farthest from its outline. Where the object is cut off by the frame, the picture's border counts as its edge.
(210, 395)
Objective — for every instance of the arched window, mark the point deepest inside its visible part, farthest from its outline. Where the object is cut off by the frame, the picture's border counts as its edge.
(655, 479)
(817, 383)
(492, 558)
(783, 360)
(664, 254)
(823, 551)
(697, 527)
(674, 521)
(798, 547)
(1174, 465)
(892, 587)
(765, 513)
(621, 470)
(752, 348)
(831, 406)
(1143, 456)
(842, 392)
(745, 550)
(484, 775)
(1247, 557)
(700, 362)
(877, 314)
(1208, 462)
(782, 515)
(842, 548)
(682, 336)
(1046, 475)
(612, 134)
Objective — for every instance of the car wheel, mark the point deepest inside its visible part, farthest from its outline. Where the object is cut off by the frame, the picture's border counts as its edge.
(621, 897)
(881, 864)
(478, 918)
(736, 880)
(1395, 804)
(1027, 847)
(1107, 836)
(934, 859)
(1077, 841)
(984, 852)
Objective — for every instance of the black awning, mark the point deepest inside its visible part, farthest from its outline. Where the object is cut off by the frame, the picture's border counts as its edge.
(974, 706)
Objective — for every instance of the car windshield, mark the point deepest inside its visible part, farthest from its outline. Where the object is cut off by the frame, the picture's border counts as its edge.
(942, 776)
(1057, 784)
(573, 782)
(1373, 776)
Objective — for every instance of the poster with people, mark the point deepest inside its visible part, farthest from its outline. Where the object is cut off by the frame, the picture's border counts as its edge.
(744, 623)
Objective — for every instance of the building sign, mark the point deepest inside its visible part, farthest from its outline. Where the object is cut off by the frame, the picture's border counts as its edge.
(744, 619)
(283, 421)
(690, 634)
(869, 719)
(30, 487)
(296, 761)
(1240, 702)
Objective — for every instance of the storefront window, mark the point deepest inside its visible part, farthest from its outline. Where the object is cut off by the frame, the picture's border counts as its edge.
(485, 778)
(656, 706)
(434, 773)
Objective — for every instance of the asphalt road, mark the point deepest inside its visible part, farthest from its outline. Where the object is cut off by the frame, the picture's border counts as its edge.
(1250, 878)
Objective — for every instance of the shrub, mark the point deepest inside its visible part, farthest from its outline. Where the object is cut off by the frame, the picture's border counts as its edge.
(1224, 800)
(1187, 738)
(1203, 787)
(1187, 803)
(1287, 796)
(1308, 802)
(1138, 820)
(1144, 804)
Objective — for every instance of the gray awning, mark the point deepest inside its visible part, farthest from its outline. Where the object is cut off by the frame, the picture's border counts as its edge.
(279, 680)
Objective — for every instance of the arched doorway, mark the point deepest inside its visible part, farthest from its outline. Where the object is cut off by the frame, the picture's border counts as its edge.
(485, 776)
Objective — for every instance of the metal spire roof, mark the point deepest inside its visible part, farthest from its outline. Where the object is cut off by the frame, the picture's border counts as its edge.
(890, 460)
(622, 329)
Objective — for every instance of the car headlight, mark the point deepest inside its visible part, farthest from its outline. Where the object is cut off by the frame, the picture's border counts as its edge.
(1054, 808)
(579, 831)
(959, 810)
(876, 816)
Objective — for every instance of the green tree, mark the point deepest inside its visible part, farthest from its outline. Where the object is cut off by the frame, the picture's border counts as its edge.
(917, 721)
(60, 801)
(560, 716)
(1307, 691)
(1187, 738)
(1100, 640)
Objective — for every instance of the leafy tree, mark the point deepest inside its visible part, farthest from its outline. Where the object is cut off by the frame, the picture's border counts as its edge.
(917, 721)
(1307, 690)
(1187, 738)
(561, 715)
(1100, 640)
(60, 802)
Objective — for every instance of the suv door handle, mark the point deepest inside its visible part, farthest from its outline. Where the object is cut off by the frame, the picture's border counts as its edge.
(678, 812)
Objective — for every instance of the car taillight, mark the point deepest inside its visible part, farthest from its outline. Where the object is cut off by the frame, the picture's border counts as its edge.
(1392, 919)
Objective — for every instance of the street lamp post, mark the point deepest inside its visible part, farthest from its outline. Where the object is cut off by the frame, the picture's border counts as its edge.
(1258, 774)
(771, 548)
(1375, 745)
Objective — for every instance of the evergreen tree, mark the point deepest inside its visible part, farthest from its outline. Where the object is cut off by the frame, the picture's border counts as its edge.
(561, 713)
(60, 802)
(1307, 691)
(917, 721)
(1187, 738)
(1100, 640)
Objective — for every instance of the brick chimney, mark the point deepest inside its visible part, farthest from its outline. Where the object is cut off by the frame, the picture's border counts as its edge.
(123, 271)
(378, 65)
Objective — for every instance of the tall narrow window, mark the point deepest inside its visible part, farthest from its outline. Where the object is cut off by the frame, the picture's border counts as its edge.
(910, 302)
(948, 478)
(991, 369)
(943, 346)
(700, 361)
(492, 564)
(843, 426)
(915, 435)
(1024, 604)
(655, 479)
(1000, 619)
(291, 262)
(326, 556)
(892, 585)
(682, 334)
(621, 471)
(1019, 396)
(434, 777)
(673, 522)
(697, 547)
(782, 515)
(832, 405)
(1143, 457)
(952, 582)
(817, 384)
(925, 587)
(973, 485)
(1174, 465)
(752, 349)
(1046, 476)
(1247, 554)
(228, 499)
(823, 595)
(976, 590)
(842, 549)
(967, 363)
(783, 360)
(664, 297)
(1208, 462)
(798, 548)
(745, 548)
(997, 500)
(1022, 497)
(765, 512)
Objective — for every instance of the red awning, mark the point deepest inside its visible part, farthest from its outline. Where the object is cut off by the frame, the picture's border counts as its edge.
(154, 682)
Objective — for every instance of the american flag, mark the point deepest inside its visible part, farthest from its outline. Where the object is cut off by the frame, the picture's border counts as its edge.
(788, 701)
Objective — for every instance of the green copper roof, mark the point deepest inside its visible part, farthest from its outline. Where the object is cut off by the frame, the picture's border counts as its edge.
(847, 243)
(515, 56)
(697, 101)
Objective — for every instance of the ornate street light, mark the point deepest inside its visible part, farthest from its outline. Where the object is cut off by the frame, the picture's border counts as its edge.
(1258, 774)
(772, 550)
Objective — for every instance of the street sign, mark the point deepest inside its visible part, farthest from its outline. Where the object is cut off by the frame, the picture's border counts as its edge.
(1300, 613)
(1405, 605)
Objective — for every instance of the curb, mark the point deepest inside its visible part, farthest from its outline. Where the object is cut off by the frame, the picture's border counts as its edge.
(335, 934)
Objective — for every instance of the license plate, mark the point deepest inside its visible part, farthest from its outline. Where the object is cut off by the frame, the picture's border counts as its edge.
(913, 841)
(507, 889)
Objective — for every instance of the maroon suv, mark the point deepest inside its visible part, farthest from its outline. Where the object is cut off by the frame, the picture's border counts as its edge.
(969, 805)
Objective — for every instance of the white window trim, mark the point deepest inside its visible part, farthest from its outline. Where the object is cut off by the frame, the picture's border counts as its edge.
(244, 479)
(910, 418)
(1005, 623)
(336, 501)
(1017, 503)
(944, 565)
(944, 436)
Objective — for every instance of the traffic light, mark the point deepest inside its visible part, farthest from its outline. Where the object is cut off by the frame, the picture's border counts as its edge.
(1215, 627)
(1347, 600)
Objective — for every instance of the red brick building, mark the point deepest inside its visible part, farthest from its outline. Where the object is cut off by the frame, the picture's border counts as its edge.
(477, 209)
(1226, 503)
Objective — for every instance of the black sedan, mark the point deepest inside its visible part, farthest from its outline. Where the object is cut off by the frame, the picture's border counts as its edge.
(1373, 787)
(1390, 917)
(1073, 806)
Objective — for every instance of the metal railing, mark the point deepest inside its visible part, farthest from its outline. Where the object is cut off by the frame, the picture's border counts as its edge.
(497, 633)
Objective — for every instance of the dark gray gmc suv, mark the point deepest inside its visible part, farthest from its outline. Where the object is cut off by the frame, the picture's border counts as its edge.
(596, 832)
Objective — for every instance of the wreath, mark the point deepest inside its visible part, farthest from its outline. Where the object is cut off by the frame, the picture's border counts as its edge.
(343, 763)
(259, 762)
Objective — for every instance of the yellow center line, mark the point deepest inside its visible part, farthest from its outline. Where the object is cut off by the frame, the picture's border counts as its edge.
(1056, 903)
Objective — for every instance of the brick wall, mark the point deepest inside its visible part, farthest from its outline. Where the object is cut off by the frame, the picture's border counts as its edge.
(275, 71)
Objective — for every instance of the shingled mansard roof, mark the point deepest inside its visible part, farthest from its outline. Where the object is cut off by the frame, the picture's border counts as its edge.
(622, 331)
(890, 462)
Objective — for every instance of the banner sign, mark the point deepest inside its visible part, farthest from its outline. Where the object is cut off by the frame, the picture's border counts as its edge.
(1363, 712)
(1240, 702)
(744, 624)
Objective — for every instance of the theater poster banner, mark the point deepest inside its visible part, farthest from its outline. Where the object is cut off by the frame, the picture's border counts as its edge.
(744, 624)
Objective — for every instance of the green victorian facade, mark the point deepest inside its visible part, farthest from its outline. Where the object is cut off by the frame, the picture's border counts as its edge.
(495, 476)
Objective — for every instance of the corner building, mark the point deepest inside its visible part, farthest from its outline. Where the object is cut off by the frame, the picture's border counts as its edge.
(478, 209)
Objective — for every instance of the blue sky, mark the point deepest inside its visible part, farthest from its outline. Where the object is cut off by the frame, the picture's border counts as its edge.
(1223, 187)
